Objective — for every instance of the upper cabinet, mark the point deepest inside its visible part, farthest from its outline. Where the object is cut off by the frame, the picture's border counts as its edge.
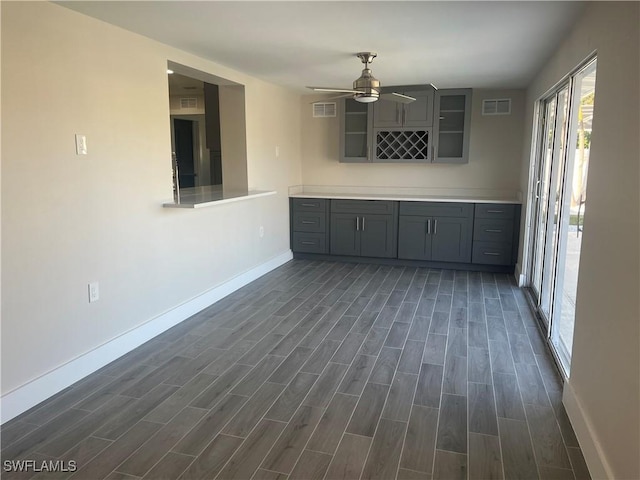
(451, 126)
(402, 132)
(419, 114)
(356, 122)
(433, 128)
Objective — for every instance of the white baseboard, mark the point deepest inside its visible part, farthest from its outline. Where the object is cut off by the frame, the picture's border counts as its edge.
(518, 275)
(23, 398)
(591, 449)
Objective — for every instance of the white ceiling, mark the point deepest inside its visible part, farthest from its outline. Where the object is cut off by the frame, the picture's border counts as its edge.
(292, 43)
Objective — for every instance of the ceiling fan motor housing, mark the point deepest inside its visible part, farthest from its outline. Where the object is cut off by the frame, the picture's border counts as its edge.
(368, 87)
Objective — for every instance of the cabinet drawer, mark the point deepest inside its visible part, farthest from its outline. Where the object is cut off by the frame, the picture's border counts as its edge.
(362, 207)
(309, 205)
(309, 222)
(309, 242)
(493, 230)
(491, 253)
(495, 210)
(437, 209)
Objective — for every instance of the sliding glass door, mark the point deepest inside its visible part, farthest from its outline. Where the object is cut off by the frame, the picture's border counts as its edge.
(558, 197)
(554, 126)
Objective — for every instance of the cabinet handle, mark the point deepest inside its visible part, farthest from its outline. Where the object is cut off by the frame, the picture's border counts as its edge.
(309, 222)
(492, 230)
(308, 243)
(404, 116)
(397, 114)
(363, 224)
(368, 152)
(435, 226)
(357, 224)
(309, 204)
(429, 227)
(493, 254)
(495, 211)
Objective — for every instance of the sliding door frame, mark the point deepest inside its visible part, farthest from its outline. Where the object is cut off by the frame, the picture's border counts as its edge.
(533, 197)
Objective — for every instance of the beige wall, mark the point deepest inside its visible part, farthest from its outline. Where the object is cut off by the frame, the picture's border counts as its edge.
(605, 372)
(68, 220)
(233, 137)
(494, 159)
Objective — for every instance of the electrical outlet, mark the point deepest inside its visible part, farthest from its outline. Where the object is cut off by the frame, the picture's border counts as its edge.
(261, 231)
(94, 292)
(277, 151)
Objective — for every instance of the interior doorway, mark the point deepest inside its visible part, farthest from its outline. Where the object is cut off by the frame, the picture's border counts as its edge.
(195, 132)
(183, 135)
(558, 196)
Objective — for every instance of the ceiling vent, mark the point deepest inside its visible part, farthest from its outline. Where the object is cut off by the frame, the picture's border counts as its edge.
(188, 102)
(324, 109)
(497, 106)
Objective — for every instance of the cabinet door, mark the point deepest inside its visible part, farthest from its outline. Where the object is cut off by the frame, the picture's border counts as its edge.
(420, 112)
(451, 126)
(414, 238)
(451, 239)
(356, 123)
(377, 236)
(345, 239)
(387, 113)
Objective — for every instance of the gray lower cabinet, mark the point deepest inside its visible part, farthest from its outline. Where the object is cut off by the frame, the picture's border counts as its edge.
(435, 231)
(365, 228)
(455, 232)
(495, 234)
(309, 233)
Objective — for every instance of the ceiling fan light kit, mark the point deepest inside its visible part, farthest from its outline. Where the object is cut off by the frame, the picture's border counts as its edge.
(366, 88)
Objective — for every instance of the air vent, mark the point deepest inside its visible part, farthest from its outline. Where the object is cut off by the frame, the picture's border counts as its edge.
(188, 102)
(323, 110)
(496, 106)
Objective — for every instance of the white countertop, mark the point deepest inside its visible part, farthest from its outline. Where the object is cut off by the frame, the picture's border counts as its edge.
(208, 197)
(406, 194)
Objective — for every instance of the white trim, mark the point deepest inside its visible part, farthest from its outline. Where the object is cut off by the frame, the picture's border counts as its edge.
(32, 393)
(519, 276)
(591, 449)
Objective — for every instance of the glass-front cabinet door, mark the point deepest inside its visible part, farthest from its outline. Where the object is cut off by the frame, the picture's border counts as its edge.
(356, 120)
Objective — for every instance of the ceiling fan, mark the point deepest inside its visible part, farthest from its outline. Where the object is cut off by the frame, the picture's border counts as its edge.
(366, 88)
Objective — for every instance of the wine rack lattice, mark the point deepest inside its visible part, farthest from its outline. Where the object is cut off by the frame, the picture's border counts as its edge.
(402, 145)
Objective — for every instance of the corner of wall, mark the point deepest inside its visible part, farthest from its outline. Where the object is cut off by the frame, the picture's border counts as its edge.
(589, 443)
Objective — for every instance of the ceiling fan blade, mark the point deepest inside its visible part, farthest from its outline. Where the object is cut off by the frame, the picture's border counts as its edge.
(397, 97)
(345, 95)
(334, 90)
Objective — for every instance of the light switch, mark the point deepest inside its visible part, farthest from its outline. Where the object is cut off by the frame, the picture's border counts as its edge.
(94, 292)
(81, 144)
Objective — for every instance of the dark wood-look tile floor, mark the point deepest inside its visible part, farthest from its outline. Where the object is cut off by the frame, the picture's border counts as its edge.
(322, 370)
